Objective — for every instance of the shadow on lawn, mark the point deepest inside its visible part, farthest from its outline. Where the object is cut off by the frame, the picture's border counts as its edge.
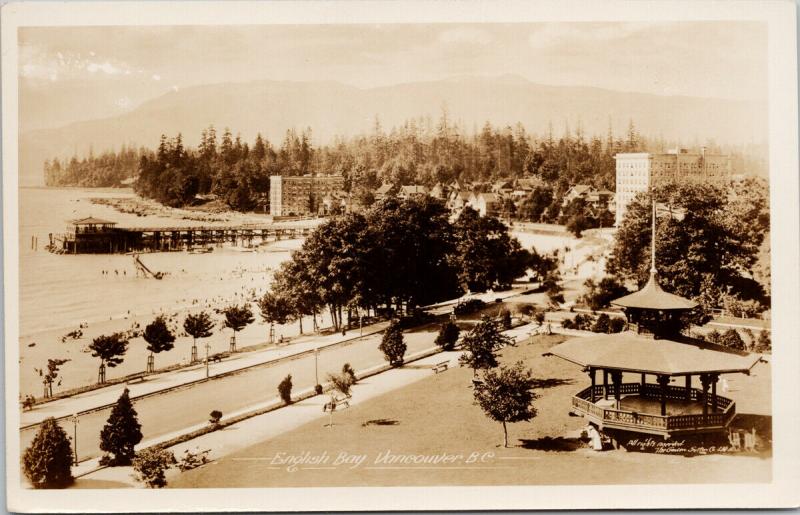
(551, 382)
(380, 422)
(559, 444)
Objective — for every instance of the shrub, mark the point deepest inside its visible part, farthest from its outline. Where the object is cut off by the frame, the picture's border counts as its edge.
(47, 462)
(393, 346)
(764, 342)
(714, 337)
(468, 306)
(617, 325)
(285, 389)
(215, 416)
(731, 339)
(539, 317)
(583, 322)
(349, 372)
(149, 466)
(505, 319)
(318, 389)
(341, 382)
(121, 433)
(448, 336)
(602, 324)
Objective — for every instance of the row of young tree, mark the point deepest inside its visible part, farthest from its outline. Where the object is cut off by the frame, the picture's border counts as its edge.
(394, 257)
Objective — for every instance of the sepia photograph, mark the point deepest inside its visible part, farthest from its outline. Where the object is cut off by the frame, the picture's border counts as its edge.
(311, 249)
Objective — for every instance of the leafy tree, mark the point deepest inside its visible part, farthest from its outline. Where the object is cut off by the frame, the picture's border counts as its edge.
(275, 308)
(553, 288)
(110, 349)
(50, 376)
(705, 244)
(507, 396)
(121, 433)
(539, 317)
(150, 465)
(486, 255)
(448, 336)
(198, 325)
(393, 345)
(599, 295)
(482, 344)
(47, 462)
(237, 318)
(285, 389)
(578, 223)
(158, 336)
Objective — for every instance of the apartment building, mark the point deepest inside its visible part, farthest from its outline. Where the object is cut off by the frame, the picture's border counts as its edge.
(302, 195)
(638, 172)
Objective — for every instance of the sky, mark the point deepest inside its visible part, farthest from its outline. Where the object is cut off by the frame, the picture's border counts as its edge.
(69, 74)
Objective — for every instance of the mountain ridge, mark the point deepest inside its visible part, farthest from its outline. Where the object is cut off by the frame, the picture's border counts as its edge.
(333, 109)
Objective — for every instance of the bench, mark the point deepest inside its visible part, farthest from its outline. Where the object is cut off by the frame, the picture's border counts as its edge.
(440, 367)
(138, 378)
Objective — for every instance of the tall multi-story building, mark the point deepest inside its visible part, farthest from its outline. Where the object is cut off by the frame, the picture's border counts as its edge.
(301, 195)
(638, 172)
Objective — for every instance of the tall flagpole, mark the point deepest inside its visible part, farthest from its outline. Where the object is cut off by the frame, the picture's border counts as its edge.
(653, 242)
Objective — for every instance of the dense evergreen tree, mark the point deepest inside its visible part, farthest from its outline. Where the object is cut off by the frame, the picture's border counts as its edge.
(393, 346)
(121, 433)
(47, 462)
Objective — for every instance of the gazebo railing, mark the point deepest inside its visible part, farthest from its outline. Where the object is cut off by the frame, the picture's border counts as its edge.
(655, 422)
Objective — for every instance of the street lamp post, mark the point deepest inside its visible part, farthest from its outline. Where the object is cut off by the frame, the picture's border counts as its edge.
(74, 420)
(207, 345)
(316, 366)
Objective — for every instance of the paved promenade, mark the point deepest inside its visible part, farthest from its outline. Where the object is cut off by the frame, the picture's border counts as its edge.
(273, 423)
(159, 382)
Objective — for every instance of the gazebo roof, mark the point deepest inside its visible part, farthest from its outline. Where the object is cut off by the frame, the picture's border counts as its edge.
(630, 352)
(92, 221)
(653, 297)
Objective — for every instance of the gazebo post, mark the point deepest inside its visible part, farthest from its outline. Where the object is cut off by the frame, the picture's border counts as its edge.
(663, 381)
(644, 382)
(714, 379)
(616, 377)
(705, 380)
(605, 384)
(688, 387)
(592, 375)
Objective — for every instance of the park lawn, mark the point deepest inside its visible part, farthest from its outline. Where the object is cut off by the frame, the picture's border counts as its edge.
(437, 417)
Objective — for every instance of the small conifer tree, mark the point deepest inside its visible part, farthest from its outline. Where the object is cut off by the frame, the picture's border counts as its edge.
(121, 433)
(47, 462)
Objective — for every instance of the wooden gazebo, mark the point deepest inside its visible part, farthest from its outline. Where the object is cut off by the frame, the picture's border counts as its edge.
(626, 399)
(637, 394)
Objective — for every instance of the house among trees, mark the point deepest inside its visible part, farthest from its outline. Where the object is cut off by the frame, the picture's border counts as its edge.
(439, 191)
(486, 203)
(383, 191)
(502, 188)
(457, 200)
(412, 191)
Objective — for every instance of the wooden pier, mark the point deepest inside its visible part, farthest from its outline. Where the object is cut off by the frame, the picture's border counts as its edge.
(96, 236)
